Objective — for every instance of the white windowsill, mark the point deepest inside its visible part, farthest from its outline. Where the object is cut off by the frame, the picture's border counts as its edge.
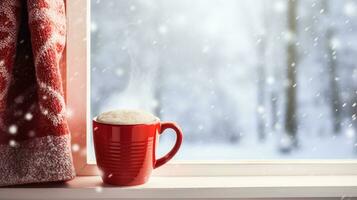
(86, 187)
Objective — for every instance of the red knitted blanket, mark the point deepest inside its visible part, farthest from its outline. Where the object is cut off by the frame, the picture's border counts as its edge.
(34, 135)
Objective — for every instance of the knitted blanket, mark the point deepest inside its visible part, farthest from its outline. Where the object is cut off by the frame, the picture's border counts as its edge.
(34, 135)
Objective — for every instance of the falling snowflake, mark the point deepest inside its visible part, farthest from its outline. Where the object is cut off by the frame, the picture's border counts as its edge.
(132, 8)
(350, 133)
(44, 97)
(19, 99)
(322, 11)
(162, 29)
(119, 72)
(286, 142)
(45, 112)
(69, 112)
(335, 43)
(18, 113)
(98, 189)
(280, 6)
(31, 133)
(350, 9)
(288, 36)
(260, 109)
(200, 127)
(100, 172)
(93, 27)
(28, 116)
(13, 129)
(13, 143)
(110, 175)
(75, 147)
(205, 49)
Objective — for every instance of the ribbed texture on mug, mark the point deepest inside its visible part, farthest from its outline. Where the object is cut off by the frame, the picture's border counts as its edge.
(125, 160)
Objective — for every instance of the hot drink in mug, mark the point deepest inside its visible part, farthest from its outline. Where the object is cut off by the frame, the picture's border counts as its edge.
(125, 142)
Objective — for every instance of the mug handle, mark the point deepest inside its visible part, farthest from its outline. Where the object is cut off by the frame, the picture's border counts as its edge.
(178, 131)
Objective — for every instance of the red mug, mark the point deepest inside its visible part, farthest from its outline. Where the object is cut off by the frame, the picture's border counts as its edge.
(125, 154)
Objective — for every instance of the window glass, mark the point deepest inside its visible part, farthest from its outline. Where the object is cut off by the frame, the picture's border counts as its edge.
(249, 79)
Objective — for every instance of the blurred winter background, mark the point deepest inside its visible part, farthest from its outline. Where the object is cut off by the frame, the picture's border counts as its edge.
(245, 79)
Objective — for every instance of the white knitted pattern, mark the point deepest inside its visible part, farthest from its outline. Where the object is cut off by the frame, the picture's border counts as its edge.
(41, 159)
(53, 15)
(6, 76)
(46, 158)
(56, 118)
(7, 11)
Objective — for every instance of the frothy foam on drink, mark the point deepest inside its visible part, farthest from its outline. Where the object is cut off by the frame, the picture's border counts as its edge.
(126, 117)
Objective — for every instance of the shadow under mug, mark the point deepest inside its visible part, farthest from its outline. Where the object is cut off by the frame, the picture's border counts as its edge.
(125, 154)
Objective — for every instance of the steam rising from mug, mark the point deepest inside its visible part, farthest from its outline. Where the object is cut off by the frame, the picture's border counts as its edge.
(126, 117)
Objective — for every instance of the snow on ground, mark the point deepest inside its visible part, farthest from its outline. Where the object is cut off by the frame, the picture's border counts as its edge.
(196, 63)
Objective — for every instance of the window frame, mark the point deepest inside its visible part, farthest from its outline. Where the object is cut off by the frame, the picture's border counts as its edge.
(77, 99)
